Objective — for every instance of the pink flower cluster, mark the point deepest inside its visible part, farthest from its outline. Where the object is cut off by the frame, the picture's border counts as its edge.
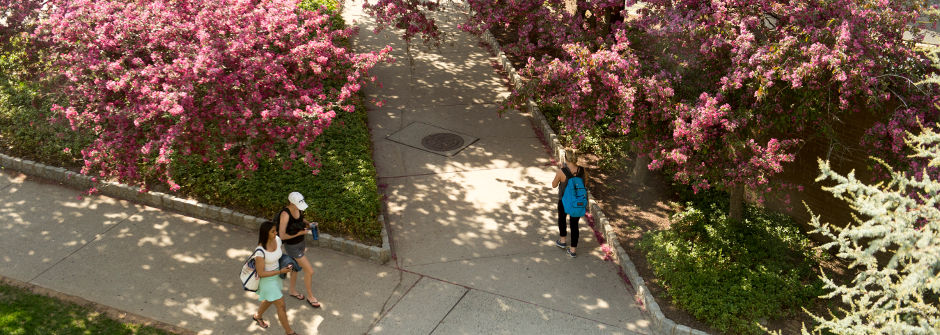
(218, 79)
(773, 74)
(408, 15)
(16, 16)
(588, 85)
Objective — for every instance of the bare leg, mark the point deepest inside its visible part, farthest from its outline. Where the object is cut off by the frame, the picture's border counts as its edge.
(308, 277)
(261, 309)
(282, 315)
(292, 288)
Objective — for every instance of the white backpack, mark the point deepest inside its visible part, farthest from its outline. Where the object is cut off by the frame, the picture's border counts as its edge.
(249, 275)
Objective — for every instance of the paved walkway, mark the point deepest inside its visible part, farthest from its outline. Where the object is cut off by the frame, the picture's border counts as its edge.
(471, 233)
(478, 226)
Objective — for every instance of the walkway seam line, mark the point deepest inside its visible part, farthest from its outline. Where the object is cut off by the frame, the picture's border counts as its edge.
(517, 299)
(466, 290)
(97, 237)
(385, 312)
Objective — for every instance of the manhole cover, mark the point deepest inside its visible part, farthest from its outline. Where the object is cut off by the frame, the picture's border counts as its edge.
(442, 141)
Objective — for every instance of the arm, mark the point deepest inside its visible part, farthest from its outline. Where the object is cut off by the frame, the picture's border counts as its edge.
(308, 223)
(263, 273)
(559, 177)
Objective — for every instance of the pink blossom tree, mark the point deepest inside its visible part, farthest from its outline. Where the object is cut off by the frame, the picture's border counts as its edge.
(774, 74)
(217, 79)
(16, 17)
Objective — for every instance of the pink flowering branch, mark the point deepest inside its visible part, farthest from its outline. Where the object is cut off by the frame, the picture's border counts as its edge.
(217, 79)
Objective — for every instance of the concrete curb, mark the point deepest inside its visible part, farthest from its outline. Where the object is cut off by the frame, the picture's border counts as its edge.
(113, 313)
(190, 207)
(660, 322)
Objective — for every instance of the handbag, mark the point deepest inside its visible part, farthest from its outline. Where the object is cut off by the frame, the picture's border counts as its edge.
(249, 275)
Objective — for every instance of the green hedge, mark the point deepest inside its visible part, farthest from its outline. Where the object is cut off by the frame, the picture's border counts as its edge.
(24, 111)
(733, 275)
(343, 197)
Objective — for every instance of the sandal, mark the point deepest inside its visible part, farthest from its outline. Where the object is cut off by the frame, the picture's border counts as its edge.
(260, 321)
(314, 304)
(299, 296)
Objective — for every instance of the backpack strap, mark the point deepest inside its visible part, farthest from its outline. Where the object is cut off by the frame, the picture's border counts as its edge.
(566, 171)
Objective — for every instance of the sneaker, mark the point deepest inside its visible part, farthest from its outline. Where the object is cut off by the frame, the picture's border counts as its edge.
(571, 254)
(559, 244)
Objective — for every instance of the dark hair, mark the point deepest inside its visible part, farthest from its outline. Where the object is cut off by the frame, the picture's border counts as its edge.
(263, 233)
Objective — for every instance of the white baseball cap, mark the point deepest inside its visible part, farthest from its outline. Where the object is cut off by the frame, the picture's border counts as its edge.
(298, 200)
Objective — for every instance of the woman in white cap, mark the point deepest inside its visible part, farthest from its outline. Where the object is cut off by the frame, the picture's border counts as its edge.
(292, 227)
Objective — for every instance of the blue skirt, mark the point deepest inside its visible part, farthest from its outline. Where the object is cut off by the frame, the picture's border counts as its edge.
(269, 288)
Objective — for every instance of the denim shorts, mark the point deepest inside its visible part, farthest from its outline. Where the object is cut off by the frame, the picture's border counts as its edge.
(295, 250)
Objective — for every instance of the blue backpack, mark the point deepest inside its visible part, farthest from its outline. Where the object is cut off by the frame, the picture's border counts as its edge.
(575, 198)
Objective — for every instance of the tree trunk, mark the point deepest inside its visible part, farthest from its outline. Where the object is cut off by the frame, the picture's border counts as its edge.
(641, 169)
(736, 210)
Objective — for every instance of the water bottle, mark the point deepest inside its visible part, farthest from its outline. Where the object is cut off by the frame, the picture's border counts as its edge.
(314, 231)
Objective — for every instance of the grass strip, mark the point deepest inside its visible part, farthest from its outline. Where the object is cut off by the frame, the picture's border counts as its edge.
(36, 311)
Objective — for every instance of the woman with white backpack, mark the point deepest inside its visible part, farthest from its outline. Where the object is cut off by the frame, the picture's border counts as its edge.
(268, 253)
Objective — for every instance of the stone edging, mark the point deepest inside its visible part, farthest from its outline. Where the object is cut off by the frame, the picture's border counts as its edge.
(660, 323)
(111, 312)
(190, 207)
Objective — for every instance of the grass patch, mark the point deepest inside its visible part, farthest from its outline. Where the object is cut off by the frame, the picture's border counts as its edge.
(733, 275)
(25, 313)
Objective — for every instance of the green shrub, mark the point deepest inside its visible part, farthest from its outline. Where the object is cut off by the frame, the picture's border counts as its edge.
(733, 275)
(330, 7)
(611, 148)
(343, 197)
(24, 110)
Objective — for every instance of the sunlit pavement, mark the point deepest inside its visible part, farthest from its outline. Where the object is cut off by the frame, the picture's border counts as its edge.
(169, 267)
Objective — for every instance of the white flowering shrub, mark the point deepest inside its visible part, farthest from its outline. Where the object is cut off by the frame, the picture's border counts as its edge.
(893, 246)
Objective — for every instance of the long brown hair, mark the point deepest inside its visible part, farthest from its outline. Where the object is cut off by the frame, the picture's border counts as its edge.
(263, 233)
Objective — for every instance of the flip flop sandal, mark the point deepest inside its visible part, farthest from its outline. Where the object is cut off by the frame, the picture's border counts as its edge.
(298, 296)
(314, 304)
(260, 321)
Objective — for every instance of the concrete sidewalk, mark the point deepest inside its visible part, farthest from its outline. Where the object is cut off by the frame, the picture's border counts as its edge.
(471, 233)
(169, 267)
